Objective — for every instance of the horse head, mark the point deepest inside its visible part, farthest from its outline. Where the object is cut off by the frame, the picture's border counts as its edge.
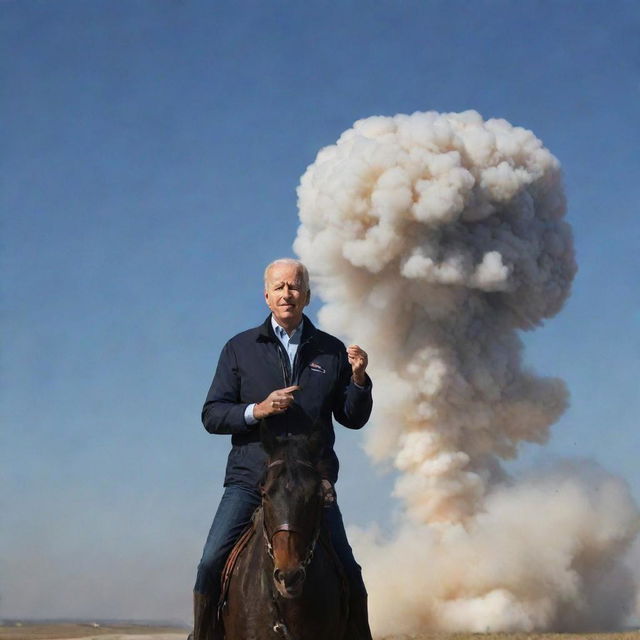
(292, 503)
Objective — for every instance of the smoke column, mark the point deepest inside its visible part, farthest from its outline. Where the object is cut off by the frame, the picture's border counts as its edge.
(433, 239)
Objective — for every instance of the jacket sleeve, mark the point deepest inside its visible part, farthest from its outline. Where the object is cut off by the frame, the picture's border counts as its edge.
(223, 413)
(352, 404)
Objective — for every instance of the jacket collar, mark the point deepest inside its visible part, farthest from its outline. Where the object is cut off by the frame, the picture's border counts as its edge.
(267, 333)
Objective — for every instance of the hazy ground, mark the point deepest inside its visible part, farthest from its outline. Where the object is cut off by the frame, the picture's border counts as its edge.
(140, 632)
(630, 635)
(71, 631)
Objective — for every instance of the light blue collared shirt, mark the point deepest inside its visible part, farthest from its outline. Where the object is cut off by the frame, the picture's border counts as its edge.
(290, 344)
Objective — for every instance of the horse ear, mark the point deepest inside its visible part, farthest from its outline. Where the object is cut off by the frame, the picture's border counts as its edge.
(267, 438)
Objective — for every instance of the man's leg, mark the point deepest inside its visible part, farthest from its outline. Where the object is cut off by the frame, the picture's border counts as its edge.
(232, 517)
(358, 624)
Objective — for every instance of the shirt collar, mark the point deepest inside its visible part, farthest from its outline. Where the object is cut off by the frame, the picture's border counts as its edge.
(281, 333)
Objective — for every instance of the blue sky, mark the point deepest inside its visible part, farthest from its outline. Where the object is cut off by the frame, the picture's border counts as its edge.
(150, 156)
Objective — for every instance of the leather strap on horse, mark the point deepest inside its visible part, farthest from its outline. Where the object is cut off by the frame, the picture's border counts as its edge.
(238, 548)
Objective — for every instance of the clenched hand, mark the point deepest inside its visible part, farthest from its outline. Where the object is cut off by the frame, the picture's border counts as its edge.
(358, 360)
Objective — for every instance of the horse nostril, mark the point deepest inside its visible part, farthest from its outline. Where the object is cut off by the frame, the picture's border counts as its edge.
(278, 575)
(296, 577)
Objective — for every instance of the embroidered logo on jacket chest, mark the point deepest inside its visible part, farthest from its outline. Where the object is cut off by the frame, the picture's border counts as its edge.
(314, 366)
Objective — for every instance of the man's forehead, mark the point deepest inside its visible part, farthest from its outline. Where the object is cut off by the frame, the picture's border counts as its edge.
(285, 273)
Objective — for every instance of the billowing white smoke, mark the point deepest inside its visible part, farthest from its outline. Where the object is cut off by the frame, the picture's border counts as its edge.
(432, 239)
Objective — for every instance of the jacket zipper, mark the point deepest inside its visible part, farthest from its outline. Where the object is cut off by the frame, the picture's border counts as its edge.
(282, 354)
(296, 359)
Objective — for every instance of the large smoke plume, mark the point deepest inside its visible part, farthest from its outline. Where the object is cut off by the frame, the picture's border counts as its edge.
(433, 239)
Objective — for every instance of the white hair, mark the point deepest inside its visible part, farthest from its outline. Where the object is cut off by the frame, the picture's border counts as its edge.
(290, 261)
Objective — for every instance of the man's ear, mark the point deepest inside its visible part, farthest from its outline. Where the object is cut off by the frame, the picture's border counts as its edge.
(308, 298)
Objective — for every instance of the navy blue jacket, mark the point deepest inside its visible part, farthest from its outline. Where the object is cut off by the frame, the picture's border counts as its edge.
(252, 365)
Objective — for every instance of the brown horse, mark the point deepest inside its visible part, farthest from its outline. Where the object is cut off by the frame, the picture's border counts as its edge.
(287, 583)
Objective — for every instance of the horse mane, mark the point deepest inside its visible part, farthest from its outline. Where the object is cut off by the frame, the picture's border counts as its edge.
(298, 447)
(293, 450)
(302, 446)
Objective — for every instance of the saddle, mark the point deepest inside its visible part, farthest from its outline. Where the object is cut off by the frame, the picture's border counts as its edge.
(243, 541)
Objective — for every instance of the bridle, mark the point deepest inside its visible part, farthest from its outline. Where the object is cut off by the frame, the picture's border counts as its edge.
(279, 626)
(287, 526)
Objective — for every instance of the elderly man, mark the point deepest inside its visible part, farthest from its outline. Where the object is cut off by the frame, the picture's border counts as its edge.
(296, 377)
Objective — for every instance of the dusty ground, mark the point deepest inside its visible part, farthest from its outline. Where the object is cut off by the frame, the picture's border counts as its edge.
(70, 631)
(631, 635)
(140, 632)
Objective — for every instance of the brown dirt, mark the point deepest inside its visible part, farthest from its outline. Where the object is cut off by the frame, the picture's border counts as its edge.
(89, 632)
(629, 635)
(70, 631)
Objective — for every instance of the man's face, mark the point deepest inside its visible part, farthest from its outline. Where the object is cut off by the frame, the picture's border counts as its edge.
(285, 294)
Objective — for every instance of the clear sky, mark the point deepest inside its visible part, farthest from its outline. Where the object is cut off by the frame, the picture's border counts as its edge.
(150, 155)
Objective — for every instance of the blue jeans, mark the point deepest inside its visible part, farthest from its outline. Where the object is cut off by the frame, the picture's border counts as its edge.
(232, 518)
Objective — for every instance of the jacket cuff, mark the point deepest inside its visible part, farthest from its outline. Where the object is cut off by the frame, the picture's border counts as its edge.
(367, 384)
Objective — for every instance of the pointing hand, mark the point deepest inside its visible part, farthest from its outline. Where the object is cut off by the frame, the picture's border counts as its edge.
(276, 402)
